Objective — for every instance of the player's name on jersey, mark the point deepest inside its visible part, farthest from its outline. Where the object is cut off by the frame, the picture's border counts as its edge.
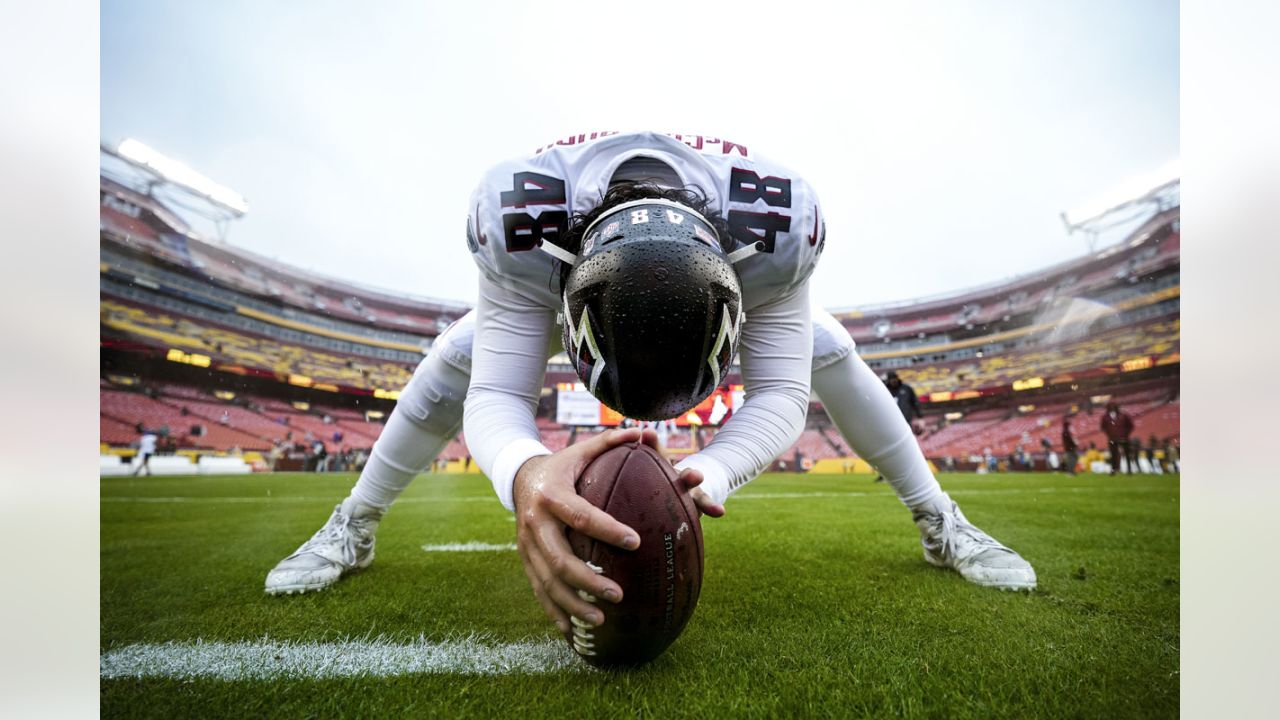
(702, 143)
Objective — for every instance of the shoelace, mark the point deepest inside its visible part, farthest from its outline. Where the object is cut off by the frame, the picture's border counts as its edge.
(953, 528)
(334, 530)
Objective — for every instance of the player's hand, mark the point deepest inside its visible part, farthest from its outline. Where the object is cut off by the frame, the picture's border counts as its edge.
(690, 479)
(917, 426)
(546, 502)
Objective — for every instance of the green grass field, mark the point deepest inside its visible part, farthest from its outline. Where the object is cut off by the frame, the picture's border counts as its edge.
(816, 602)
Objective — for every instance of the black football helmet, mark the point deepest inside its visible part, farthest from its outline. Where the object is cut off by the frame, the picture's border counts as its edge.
(652, 309)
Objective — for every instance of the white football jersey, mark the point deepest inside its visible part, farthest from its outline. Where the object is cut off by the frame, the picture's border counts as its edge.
(527, 201)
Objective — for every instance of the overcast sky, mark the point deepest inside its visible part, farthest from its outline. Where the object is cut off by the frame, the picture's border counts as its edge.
(943, 137)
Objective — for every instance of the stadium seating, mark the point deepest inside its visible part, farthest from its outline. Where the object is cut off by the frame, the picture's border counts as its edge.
(178, 408)
(131, 408)
(148, 326)
(973, 435)
(274, 317)
(1159, 339)
(812, 445)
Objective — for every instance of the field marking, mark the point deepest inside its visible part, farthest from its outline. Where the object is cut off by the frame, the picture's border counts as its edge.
(741, 496)
(470, 547)
(269, 660)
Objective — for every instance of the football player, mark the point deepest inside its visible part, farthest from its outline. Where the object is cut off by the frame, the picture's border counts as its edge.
(651, 259)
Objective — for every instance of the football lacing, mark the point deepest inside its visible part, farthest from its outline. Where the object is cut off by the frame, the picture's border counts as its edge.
(582, 635)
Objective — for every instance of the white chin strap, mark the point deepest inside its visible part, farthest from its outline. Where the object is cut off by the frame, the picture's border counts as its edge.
(558, 252)
(745, 252)
(565, 256)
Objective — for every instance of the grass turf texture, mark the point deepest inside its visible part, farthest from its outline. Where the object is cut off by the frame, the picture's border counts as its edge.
(817, 605)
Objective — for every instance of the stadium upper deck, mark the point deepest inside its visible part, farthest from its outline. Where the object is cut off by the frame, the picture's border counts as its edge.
(138, 225)
(1151, 251)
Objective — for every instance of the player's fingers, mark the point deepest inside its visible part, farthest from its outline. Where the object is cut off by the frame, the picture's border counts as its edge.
(572, 510)
(574, 603)
(705, 504)
(553, 611)
(570, 569)
(690, 478)
(649, 437)
(554, 574)
(549, 608)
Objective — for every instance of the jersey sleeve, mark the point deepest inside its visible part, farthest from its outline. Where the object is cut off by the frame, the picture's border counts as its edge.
(509, 360)
(781, 214)
(513, 210)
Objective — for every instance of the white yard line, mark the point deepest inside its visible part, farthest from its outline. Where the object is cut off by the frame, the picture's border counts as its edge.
(269, 660)
(470, 547)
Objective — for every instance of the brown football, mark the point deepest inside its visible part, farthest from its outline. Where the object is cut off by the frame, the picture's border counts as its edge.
(661, 579)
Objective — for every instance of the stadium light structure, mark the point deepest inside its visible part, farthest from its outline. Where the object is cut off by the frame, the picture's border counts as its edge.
(180, 175)
(1153, 188)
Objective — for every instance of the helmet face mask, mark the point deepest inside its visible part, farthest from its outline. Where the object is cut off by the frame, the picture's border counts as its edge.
(652, 309)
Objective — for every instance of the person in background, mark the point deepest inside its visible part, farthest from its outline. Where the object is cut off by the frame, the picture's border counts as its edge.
(321, 456)
(1051, 460)
(146, 448)
(1070, 450)
(907, 401)
(1117, 426)
(1153, 444)
(1133, 454)
(1171, 455)
(664, 428)
(277, 451)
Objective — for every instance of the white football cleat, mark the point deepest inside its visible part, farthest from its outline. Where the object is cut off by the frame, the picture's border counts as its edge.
(951, 541)
(342, 546)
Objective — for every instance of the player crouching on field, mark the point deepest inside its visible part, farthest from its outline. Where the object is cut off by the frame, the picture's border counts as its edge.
(653, 259)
